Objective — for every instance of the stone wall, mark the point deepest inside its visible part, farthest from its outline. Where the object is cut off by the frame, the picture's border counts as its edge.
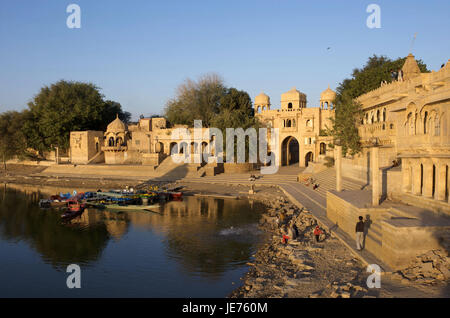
(402, 244)
(395, 239)
(239, 167)
(84, 145)
(345, 215)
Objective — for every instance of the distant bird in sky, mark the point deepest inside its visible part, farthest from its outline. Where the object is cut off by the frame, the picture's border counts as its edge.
(328, 48)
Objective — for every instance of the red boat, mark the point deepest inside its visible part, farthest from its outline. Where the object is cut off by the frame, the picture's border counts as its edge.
(74, 208)
(175, 195)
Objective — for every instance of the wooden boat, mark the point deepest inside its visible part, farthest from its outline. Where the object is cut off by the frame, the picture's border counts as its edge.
(112, 194)
(131, 207)
(74, 208)
(95, 205)
(47, 204)
(175, 195)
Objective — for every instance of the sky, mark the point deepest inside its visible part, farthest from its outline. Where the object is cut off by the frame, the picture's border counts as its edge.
(138, 52)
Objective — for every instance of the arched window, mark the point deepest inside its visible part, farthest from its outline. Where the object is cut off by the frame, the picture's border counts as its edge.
(323, 148)
(288, 123)
(410, 128)
(290, 106)
(378, 116)
(384, 114)
(425, 123)
(309, 123)
(111, 142)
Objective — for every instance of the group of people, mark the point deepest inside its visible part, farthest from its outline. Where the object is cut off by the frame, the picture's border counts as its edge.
(309, 181)
(291, 232)
(395, 76)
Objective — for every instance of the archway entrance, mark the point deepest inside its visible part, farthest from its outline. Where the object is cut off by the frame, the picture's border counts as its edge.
(323, 148)
(309, 158)
(173, 148)
(290, 151)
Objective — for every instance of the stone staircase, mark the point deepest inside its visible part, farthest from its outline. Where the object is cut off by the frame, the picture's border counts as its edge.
(170, 170)
(326, 180)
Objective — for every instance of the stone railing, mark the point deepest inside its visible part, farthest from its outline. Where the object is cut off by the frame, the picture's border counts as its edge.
(289, 129)
(114, 148)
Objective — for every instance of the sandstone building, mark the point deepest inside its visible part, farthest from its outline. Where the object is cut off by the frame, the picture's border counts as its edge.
(149, 141)
(408, 119)
(301, 140)
(405, 161)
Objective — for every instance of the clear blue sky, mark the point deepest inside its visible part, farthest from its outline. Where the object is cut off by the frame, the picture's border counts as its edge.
(138, 52)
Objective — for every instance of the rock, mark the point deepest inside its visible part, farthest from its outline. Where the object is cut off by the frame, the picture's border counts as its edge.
(346, 288)
(334, 294)
(445, 272)
(427, 267)
(360, 289)
(345, 295)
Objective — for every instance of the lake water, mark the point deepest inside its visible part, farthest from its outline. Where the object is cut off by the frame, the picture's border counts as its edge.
(194, 248)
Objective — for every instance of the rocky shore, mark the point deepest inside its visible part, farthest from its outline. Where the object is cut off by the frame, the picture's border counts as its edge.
(431, 268)
(302, 267)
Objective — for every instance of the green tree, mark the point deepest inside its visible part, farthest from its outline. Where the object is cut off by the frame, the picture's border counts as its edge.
(211, 101)
(64, 107)
(348, 111)
(196, 101)
(216, 105)
(12, 139)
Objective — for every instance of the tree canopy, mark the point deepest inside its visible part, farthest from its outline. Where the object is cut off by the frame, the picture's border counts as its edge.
(64, 107)
(347, 110)
(209, 100)
(12, 139)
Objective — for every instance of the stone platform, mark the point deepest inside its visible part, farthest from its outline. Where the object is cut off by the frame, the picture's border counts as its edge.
(395, 232)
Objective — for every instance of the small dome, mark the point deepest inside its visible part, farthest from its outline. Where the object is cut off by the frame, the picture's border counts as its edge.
(328, 95)
(116, 125)
(293, 94)
(262, 99)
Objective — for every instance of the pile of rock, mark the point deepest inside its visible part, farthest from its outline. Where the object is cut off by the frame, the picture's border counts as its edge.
(284, 216)
(429, 268)
(342, 290)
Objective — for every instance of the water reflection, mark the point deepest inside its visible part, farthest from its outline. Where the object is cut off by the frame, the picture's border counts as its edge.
(199, 237)
(22, 220)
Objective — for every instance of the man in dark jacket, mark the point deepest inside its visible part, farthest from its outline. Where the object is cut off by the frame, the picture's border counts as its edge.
(359, 233)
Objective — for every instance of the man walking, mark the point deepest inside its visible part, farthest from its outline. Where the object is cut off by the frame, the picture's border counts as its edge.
(359, 233)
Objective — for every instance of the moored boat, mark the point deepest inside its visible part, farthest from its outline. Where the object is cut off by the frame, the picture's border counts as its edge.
(74, 208)
(130, 207)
